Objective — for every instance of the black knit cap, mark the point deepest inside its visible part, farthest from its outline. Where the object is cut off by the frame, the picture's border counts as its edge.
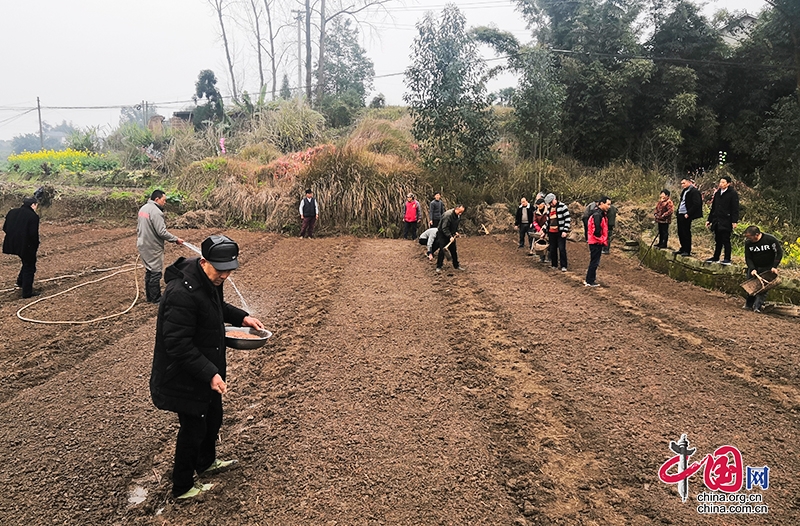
(222, 252)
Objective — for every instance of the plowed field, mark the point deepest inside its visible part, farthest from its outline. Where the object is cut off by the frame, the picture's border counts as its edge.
(507, 394)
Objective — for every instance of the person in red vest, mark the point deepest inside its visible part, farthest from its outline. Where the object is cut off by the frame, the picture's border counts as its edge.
(411, 217)
(597, 237)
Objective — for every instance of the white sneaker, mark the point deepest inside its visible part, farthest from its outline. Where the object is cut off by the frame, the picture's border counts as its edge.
(563, 269)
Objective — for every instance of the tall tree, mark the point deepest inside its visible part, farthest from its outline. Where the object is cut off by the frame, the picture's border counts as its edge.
(206, 87)
(347, 67)
(351, 9)
(539, 97)
(447, 97)
(273, 31)
(601, 89)
(789, 11)
(220, 6)
(286, 91)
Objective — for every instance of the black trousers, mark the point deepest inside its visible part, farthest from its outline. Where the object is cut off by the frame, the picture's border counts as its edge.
(409, 229)
(757, 300)
(723, 240)
(434, 247)
(26, 273)
(152, 285)
(663, 235)
(595, 251)
(196, 447)
(558, 249)
(523, 230)
(685, 234)
(442, 241)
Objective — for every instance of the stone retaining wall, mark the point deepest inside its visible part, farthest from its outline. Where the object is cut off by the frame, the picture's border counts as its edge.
(713, 275)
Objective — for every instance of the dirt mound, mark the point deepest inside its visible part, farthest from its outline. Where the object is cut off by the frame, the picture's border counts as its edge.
(200, 219)
(493, 218)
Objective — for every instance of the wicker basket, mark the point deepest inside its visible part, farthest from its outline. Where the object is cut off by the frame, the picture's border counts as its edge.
(540, 247)
(765, 281)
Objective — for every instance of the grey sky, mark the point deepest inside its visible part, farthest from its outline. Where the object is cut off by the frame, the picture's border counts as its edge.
(79, 53)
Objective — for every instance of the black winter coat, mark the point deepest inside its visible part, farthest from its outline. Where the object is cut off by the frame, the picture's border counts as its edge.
(22, 232)
(518, 217)
(694, 203)
(190, 339)
(724, 210)
(448, 225)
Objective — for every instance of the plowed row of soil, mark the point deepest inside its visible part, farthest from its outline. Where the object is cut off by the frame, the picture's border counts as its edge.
(505, 394)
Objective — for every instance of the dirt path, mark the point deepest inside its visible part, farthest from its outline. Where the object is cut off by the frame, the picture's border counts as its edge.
(506, 394)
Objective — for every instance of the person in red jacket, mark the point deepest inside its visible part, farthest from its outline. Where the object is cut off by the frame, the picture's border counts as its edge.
(597, 237)
(411, 217)
(663, 216)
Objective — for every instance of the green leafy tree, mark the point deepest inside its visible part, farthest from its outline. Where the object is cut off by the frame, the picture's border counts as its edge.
(378, 101)
(749, 95)
(286, 91)
(55, 138)
(447, 97)
(212, 110)
(600, 90)
(678, 112)
(539, 97)
(347, 67)
(778, 148)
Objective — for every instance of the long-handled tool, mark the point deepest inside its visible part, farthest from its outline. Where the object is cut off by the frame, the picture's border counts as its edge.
(641, 261)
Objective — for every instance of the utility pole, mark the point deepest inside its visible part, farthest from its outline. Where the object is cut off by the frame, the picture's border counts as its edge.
(41, 135)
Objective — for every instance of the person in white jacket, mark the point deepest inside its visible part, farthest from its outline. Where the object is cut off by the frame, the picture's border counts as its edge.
(429, 239)
(151, 232)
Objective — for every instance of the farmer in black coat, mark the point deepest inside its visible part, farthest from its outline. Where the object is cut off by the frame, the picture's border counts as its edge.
(723, 218)
(447, 234)
(189, 361)
(22, 239)
(690, 208)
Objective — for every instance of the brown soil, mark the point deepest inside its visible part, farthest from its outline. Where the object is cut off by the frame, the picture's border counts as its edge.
(506, 394)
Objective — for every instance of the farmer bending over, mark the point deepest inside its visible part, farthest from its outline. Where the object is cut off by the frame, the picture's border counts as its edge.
(762, 252)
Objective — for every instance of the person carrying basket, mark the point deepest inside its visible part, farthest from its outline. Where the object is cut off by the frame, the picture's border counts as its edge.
(762, 253)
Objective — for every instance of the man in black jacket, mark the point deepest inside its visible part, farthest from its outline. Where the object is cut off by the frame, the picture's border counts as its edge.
(22, 239)
(447, 234)
(762, 252)
(723, 218)
(689, 209)
(435, 211)
(189, 362)
(523, 220)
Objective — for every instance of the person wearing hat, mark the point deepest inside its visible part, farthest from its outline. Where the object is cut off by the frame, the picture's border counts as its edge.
(411, 216)
(22, 239)
(189, 361)
(309, 213)
(151, 232)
